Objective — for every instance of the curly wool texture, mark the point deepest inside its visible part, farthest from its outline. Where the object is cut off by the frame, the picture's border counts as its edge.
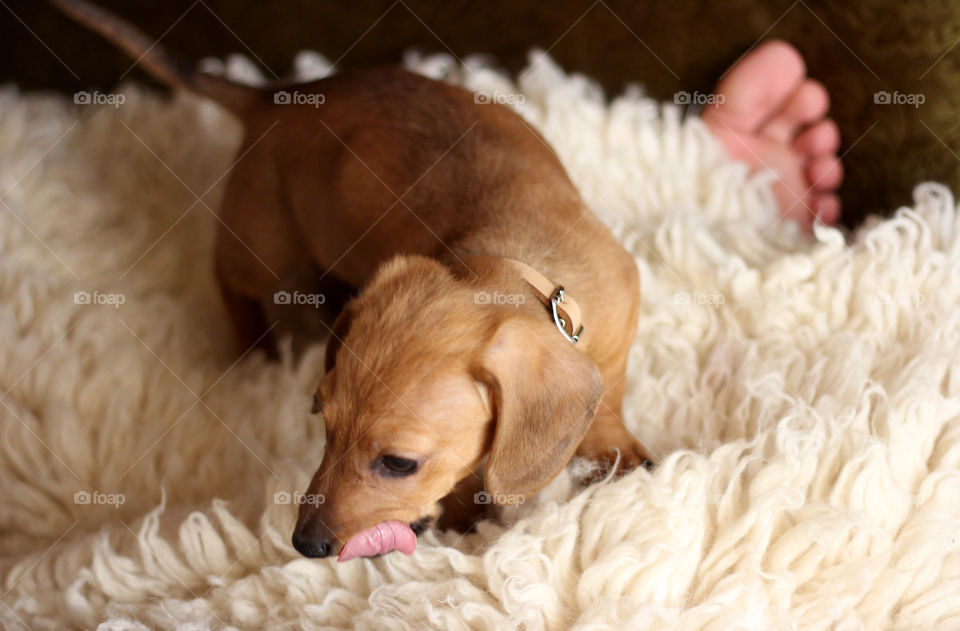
(802, 393)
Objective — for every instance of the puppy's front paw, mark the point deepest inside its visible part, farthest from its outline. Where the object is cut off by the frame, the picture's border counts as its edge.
(465, 506)
(604, 450)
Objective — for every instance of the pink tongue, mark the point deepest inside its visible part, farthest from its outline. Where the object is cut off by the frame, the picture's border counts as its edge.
(390, 535)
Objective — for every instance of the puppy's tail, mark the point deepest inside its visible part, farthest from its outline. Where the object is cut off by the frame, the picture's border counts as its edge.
(155, 59)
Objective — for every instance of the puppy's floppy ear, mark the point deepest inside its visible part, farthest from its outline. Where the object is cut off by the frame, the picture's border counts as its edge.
(544, 394)
(341, 326)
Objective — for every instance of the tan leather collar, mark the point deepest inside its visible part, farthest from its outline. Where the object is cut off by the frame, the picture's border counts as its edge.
(564, 309)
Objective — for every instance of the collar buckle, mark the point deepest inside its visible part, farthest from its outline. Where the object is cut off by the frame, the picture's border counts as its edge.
(557, 299)
(566, 312)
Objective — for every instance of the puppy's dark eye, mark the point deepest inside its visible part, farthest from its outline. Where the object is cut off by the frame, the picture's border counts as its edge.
(397, 467)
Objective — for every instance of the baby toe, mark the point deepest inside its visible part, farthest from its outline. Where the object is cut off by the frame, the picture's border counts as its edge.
(819, 139)
(824, 173)
(827, 208)
(758, 86)
(808, 104)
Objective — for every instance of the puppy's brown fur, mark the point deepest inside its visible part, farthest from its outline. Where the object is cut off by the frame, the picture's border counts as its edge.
(407, 190)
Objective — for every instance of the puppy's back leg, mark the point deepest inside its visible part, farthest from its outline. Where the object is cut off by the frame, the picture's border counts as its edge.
(257, 246)
(246, 313)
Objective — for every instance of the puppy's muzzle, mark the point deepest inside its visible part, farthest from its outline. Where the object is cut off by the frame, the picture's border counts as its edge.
(313, 548)
(313, 539)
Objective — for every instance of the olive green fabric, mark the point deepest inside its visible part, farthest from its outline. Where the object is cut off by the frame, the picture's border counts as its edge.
(856, 49)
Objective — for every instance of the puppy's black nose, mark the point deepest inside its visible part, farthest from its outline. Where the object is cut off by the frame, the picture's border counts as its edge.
(313, 548)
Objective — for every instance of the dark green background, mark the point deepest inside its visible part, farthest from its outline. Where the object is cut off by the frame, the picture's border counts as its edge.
(856, 49)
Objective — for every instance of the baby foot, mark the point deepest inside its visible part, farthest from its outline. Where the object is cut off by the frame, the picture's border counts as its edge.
(774, 117)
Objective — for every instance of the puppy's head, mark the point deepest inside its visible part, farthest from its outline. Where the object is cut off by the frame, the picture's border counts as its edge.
(422, 384)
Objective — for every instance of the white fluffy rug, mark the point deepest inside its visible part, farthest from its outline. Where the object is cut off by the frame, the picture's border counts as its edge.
(802, 393)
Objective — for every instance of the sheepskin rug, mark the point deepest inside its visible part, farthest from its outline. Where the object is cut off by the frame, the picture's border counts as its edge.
(801, 392)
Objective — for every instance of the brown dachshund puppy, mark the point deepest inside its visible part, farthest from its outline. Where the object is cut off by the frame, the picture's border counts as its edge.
(453, 356)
